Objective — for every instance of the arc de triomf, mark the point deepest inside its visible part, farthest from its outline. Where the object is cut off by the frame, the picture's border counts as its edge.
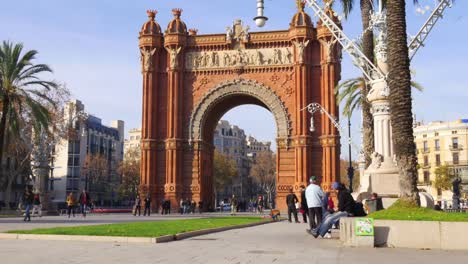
(190, 81)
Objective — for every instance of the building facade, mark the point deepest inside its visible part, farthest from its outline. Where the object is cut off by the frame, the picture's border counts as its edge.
(74, 163)
(442, 143)
(133, 141)
(254, 147)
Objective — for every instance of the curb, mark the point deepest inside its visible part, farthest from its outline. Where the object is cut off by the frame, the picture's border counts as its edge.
(119, 239)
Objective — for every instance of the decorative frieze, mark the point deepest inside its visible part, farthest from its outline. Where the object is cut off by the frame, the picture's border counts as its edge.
(209, 60)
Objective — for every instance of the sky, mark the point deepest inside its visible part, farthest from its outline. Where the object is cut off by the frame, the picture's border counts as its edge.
(92, 46)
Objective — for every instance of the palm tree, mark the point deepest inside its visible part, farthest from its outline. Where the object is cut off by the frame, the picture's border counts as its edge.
(399, 81)
(350, 92)
(23, 93)
(368, 50)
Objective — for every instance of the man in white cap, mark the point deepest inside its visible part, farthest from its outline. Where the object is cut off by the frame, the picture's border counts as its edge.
(314, 196)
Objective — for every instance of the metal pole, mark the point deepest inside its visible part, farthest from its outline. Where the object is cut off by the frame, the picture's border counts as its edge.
(350, 167)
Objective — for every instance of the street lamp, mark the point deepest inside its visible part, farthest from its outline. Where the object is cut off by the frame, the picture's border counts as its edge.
(260, 19)
(350, 165)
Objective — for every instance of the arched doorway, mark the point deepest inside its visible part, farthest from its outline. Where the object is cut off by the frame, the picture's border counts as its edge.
(213, 106)
(191, 80)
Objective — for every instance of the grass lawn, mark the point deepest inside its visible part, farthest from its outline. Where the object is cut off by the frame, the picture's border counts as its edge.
(145, 229)
(403, 211)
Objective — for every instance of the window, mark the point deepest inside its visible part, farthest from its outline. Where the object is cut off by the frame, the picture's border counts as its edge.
(427, 177)
(455, 158)
(439, 191)
(436, 134)
(426, 161)
(424, 136)
(454, 132)
(425, 146)
(437, 144)
(455, 143)
(437, 159)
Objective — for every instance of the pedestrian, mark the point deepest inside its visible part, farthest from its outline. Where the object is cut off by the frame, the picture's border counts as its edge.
(181, 206)
(137, 206)
(147, 203)
(233, 205)
(168, 206)
(71, 204)
(200, 206)
(260, 204)
(346, 205)
(193, 206)
(84, 201)
(314, 196)
(28, 199)
(291, 200)
(37, 208)
(304, 209)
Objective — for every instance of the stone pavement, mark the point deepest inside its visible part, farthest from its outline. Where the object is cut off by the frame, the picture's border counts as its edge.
(272, 243)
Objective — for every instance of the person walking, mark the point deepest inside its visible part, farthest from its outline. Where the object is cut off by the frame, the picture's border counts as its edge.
(260, 204)
(137, 206)
(147, 202)
(181, 206)
(84, 201)
(200, 206)
(314, 196)
(27, 201)
(233, 205)
(71, 204)
(304, 209)
(291, 200)
(37, 205)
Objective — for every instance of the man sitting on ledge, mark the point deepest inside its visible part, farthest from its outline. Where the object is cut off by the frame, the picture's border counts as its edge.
(346, 207)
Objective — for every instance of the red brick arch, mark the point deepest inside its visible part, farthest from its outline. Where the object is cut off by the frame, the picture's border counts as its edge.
(190, 81)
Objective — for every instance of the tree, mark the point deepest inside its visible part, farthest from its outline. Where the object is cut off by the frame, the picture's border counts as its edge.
(95, 169)
(129, 170)
(224, 170)
(22, 89)
(444, 177)
(368, 50)
(263, 171)
(399, 81)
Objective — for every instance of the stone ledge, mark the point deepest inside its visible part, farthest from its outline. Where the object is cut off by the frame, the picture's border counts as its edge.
(119, 239)
(409, 234)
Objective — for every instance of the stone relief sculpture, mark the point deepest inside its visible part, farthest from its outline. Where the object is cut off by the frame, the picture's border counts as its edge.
(237, 58)
(329, 45)
(287, 57)
(174, 53)
(147, 58)
(300, 47)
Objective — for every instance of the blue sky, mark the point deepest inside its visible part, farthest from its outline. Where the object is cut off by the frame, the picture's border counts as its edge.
(92, 46)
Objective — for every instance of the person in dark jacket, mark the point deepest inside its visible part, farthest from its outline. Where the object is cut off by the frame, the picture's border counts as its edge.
(346, 206)
(346, 202)
(304, 209)
(27, 201)
(147, 203)
(291, 200)
(85, 201)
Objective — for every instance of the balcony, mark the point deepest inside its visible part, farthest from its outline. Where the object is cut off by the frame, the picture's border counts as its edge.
(425, 150)
(455, 147)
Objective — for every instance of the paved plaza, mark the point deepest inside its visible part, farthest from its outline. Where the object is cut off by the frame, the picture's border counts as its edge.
(272, 243)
